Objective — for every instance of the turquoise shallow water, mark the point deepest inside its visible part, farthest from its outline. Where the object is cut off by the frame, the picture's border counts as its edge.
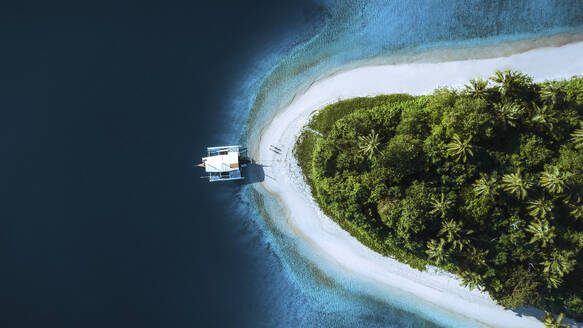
(344, 35)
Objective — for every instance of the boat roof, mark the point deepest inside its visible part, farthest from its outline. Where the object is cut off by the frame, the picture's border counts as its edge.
(222, 163)
(219, 148)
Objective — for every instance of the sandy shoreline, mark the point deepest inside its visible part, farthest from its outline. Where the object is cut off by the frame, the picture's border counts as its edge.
(283, 177)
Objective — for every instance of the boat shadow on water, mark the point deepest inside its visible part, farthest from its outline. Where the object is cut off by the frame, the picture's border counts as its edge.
(253, 173)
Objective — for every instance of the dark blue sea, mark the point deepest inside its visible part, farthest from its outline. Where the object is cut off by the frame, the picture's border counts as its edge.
(105, 105)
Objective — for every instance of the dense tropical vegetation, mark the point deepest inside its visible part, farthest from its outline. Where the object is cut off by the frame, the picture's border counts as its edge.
(486, 182)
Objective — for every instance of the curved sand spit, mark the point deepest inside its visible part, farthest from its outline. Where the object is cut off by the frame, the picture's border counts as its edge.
(284, 179)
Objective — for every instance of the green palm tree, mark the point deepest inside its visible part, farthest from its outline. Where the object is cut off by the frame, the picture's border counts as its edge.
(486, 186)
(440, 205)
(505, 79)
(577, 137)
(369, 145)
(515, 184)
(459, 149)
(559, 264)
(543, 117)
(471, 279)
(553, 180)
(507, 113)
(509, 81)
(553, 281)
(551, 93)
(436, 250)
(551, 322)
(540, 208)
(477, 88)
(478, 257)
(541, 232)
(451, 229)
(454, 233)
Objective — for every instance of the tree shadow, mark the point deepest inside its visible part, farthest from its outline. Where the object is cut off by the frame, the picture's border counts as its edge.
(529, 311)
(539, 314)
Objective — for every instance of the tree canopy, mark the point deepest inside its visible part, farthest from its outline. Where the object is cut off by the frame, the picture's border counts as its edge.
(485, 182)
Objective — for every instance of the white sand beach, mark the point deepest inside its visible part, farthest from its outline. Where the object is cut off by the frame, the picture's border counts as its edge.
(284, 179)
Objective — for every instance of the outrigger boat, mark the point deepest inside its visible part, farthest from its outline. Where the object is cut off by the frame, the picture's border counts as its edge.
(224, 163)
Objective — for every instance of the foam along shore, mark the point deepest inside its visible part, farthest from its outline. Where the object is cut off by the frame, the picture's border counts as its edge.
(328, 240)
